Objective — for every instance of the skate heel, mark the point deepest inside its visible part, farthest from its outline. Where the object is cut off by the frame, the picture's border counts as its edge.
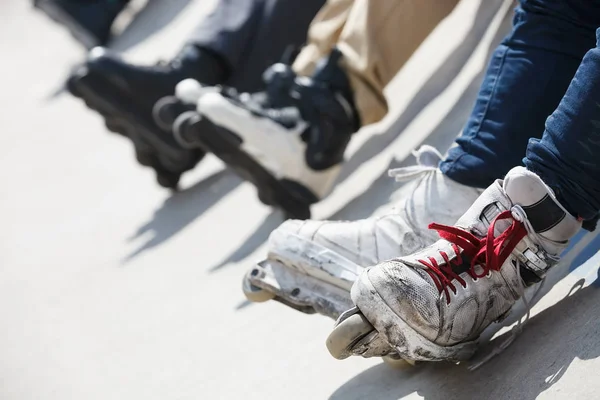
(192, 130)
(166, 111)
(186, 127)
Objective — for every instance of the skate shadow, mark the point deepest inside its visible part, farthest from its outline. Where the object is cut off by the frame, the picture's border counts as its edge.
(243, 304)
(436, 85)
(253, 241)
(578, 266)
(149, 20)
(537, 360)
(183, 207)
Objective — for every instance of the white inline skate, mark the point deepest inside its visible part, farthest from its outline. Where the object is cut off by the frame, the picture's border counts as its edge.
(437, 303)
(311, 265)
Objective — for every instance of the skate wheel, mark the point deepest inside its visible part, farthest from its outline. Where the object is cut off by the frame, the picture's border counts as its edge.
(395, 362)
(300, 214)
(182, 129)
(165, 112)
(346, 334)
(172, 165)
(256, 294)
(168, 180)
(144, 159)
(116, 125)
(73, 81)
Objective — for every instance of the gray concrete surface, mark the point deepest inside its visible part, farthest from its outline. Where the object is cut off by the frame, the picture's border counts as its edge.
(111, 288)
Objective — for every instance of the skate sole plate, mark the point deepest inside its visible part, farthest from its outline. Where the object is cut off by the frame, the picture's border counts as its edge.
(299, 291)
(287, 195)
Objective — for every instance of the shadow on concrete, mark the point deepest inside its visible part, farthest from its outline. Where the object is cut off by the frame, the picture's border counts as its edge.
(436, 85)
(243, 304)
(253, 241)
(182, 208)
(537, 359)
(151, 19)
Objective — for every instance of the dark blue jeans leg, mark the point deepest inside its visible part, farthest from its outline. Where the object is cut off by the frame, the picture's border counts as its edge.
(524, 83)
(251, 35)
(567, 157)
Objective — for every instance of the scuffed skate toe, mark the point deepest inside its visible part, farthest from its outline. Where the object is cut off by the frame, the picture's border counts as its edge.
(391, 300)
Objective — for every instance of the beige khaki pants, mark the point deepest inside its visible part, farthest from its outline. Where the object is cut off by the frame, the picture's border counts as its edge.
(376, 38)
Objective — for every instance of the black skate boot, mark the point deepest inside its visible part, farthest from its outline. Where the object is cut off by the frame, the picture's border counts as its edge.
(290, 141)
(125, 95)
(89, 21)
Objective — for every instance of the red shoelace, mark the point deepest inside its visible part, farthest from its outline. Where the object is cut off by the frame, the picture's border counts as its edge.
(488, 252)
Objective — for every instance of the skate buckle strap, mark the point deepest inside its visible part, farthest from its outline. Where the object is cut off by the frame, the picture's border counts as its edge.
(534, 258)
(488, 253)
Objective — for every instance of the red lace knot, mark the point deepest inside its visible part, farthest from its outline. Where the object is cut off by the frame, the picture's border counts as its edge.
(489, 252)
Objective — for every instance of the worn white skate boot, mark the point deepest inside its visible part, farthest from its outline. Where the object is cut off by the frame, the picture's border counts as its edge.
(433, 305)
(312, 265)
